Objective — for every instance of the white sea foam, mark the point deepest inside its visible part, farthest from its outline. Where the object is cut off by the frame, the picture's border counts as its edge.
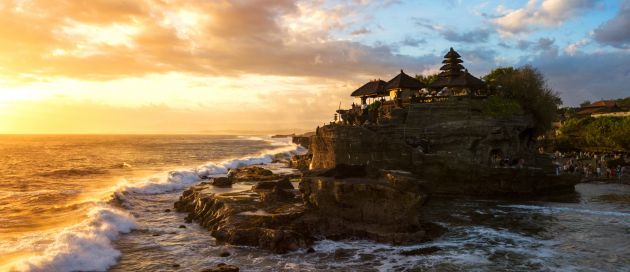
(550, 210)
(86, 246)
(180, 179)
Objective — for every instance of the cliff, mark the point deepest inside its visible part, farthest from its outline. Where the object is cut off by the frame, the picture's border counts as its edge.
(453, 145)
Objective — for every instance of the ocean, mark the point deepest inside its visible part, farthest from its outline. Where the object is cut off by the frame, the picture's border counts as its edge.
(105, 203)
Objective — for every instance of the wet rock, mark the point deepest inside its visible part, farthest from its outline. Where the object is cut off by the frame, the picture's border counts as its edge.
(224, 254)
(310, 250)
(167, 210)
(182, 226)
(272, 217)
(420, 251)
(366, 208)
(242, 218)
(251, 173)
(222, 268)
(301, 162)
(176, 265)
(221, 182)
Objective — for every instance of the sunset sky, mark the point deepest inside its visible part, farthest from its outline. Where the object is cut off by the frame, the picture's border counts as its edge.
(193, 66)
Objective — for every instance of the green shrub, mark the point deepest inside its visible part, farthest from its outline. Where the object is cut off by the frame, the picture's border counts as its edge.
(497, 106)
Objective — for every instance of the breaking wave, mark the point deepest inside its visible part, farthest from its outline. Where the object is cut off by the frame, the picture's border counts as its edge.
(87, 246)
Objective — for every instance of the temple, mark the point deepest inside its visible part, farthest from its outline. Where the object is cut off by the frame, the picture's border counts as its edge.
(379, 99)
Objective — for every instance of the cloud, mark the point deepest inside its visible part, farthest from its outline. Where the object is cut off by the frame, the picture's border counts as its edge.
(412, 42)
(573, 48)
(616, 32)
(548, 13)
(68, 38)
(360, 31)
(583, 76)
(474, 36)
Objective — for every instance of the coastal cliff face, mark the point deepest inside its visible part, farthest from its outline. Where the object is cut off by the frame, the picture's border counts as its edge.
(452, 145)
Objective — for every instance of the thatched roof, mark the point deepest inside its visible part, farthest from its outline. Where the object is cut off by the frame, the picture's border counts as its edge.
(464, 79)
(452, 66)
(372, 88)
(452, 54)
(404, 81)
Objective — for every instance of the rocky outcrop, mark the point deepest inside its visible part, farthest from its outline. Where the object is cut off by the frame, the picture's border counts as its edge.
(275, 216)
(303, 140)
(251, 173)
(249, 218)
(451, 145)
(372, 209)
(301, 162)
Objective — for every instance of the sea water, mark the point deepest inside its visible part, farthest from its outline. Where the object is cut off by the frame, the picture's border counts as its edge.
(96, 203)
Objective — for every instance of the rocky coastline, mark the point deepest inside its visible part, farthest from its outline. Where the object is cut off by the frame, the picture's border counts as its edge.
(371, 182)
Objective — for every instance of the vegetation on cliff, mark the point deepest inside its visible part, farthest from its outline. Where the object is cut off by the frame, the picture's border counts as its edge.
(497, 106)
(527, 87)
(595, 134)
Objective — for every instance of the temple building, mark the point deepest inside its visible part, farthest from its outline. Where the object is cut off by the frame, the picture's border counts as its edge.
(371, 90)
(454, 79)
(403, 86)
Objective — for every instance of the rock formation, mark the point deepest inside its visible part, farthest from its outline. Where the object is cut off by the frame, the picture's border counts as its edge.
(275, 216)
(451, 145)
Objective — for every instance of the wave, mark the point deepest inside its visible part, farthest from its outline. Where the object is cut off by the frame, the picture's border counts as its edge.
(180, 179)
(86, 246)
(550, 210)
(72, 172)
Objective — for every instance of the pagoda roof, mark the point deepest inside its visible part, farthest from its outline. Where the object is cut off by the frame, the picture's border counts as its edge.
(463, 79)
(404, 81)
(452, 54)
(452, 61)
(450, 66)
(372, 88)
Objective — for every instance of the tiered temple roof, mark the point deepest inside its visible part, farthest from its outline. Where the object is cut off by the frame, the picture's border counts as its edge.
(454, 74)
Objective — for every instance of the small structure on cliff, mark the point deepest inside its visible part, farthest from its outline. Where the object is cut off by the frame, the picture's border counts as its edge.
(403, 86)
(373, 89)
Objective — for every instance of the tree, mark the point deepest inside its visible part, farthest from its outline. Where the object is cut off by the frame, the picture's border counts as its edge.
(428, 79)
(528, 87)
(585, 103)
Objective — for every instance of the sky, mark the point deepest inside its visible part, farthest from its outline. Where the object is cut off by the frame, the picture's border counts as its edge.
(278, 66)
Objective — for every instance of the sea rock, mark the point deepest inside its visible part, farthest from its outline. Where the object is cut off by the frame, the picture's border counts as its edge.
(273, 215)
(242, 218)
(251, 174)
(420, 251)
(221, 182)
(365, 208)
(222, 268)
(301, 162)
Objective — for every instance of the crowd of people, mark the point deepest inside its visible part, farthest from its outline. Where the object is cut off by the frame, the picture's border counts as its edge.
(593, 165)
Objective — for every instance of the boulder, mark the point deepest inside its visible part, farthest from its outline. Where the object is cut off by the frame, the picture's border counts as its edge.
(251, 174)
(221, 182)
